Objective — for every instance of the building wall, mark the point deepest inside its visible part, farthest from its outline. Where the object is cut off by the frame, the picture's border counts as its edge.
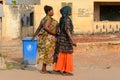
(10, 22)
(0, 29)
(82, 16)
(82, 13)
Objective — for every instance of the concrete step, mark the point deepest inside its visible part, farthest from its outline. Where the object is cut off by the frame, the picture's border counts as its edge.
(97, 49)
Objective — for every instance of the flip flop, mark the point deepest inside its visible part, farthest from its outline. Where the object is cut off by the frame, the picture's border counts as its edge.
(56, 72)
(67, 74)
(45, 72)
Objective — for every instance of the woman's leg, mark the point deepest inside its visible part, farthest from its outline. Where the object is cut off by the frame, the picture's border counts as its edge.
(44, 67)
(43, 70)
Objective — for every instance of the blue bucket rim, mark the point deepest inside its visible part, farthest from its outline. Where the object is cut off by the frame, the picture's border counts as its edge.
(29, 38)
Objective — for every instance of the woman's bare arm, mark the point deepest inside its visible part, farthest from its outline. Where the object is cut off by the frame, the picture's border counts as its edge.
(37, 31)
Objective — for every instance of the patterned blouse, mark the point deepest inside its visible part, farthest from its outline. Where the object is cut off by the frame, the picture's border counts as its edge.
(64, 43)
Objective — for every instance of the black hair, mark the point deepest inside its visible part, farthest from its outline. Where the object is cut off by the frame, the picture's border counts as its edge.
(47, 8)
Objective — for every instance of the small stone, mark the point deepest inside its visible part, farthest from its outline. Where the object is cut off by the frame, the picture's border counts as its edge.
(108, 67)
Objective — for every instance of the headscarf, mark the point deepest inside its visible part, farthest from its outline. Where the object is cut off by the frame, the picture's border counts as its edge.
(65, 11)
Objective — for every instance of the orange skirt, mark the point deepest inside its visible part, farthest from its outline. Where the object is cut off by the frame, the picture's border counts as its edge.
(64, 62)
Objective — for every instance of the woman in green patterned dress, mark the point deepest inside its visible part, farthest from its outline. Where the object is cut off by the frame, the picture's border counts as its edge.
(46, 38)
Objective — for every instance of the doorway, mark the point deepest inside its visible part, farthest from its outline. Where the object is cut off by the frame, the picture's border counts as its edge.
(27, 22)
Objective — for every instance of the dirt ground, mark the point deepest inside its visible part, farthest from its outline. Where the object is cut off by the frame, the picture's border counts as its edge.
(92, 61)
(89, 71)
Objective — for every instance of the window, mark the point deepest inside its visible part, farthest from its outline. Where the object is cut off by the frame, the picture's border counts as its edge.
(1, 2)
(110, 12)
(27, 19)
(67, 4)
(106, 11)
(1, 9)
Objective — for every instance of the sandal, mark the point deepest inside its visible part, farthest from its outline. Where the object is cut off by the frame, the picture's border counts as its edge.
(45, 72)
(56, 72)
(67, 74)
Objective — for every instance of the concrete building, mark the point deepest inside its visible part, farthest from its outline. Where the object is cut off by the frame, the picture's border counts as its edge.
(89, 16)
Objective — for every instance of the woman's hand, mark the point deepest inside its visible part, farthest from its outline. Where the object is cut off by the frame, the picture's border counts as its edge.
(54, 32)
(32, 39)
(74, 44)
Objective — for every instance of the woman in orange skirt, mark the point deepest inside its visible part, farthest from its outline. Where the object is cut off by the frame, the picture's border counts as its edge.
(65, 43)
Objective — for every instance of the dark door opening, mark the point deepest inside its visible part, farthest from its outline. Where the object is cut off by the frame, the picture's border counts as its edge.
(27, 24)
(31, 19)
(110, 12)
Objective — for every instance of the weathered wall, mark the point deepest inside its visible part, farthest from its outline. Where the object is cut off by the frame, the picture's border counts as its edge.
(82, 16)
(11, 22)
(0, 29)
(82, 13)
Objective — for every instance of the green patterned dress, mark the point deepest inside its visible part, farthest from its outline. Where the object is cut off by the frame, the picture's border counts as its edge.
(46, 42)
